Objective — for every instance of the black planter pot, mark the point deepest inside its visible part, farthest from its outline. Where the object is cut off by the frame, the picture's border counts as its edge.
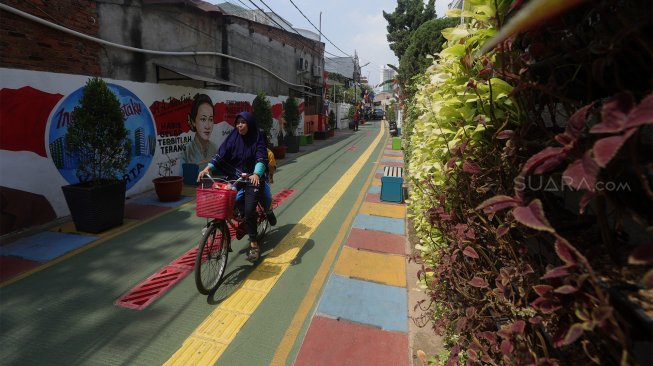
(96, 208)
(292, 144)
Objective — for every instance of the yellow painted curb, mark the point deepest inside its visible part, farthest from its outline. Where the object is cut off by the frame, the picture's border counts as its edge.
(385, 210)
(387, 269)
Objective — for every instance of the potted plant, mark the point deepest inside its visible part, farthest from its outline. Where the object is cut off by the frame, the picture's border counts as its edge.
(168, 187)
(96, 138)
(262, 111)
(291, 115)
(332, 124)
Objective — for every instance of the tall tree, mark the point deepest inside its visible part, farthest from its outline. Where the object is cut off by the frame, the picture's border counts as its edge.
(426, 40)
(407, 17)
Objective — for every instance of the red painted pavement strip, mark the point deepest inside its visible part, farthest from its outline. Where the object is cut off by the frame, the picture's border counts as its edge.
(377, 241)
(339, 342)
(392, 163)
(352, 148)
(143, 294)
(11, 266)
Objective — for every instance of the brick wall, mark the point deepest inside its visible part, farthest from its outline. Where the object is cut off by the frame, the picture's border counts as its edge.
(25, 44)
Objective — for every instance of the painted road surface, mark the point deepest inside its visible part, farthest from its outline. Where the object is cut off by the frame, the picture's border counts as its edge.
(319, 258)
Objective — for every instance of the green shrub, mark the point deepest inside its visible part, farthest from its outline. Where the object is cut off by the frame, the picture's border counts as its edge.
(97, 136)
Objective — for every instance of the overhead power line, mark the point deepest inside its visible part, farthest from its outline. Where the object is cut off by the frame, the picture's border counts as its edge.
(319, 31)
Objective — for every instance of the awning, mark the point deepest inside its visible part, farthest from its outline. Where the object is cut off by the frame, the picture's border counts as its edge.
(169, 73)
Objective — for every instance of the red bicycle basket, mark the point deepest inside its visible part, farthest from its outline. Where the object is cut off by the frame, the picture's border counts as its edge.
(215, 203)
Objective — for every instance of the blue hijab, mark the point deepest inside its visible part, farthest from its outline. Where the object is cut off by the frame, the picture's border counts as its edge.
(240, 153)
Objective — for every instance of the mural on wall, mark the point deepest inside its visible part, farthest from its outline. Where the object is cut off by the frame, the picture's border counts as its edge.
(36, 107)
(138, 122)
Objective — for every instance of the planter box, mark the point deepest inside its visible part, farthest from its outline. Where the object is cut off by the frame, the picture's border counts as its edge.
(96, 208)
(396, 143)
(321, 135)
(309, 139)
(292, 144)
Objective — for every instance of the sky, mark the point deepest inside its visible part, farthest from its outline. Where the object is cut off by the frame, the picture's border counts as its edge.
(350, 25)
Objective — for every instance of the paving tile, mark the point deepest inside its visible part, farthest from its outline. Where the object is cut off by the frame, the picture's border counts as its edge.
(365, 302)
(46, 245)
(384, 210)
(375, 189)
(385, 224)
(391, 163)
(381, 268)
(377, 241)
(339, 342)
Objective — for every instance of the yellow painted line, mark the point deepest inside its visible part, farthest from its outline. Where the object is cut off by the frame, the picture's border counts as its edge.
(290, 337)
(369, 266)
(222, 325)
(385, 210)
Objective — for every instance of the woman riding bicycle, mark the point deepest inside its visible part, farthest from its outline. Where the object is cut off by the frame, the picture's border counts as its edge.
(244, 151)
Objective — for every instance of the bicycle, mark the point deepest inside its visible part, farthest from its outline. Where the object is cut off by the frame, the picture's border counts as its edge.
(217, 204)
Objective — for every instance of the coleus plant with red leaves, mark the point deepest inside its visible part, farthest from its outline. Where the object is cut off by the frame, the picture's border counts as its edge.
(514, 283)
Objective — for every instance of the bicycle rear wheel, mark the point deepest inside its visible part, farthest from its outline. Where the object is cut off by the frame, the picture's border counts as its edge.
(262, 224)
(212, 255)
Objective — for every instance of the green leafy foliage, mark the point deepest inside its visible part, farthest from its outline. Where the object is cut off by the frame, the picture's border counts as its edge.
(406, 18)
(262, 110)
(97, 135)
(506, 286)
(332, 119)
(291, 115)
(425, 41)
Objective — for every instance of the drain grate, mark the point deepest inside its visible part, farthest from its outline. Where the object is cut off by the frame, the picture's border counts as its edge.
(152, 288)
(156, 285)
(186, 261)
(281, 196)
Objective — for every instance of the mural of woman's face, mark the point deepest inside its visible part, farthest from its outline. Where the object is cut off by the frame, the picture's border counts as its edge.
(204, 121)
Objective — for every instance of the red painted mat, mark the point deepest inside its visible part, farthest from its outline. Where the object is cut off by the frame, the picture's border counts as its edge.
(11, 266)
(156, 285)
(339, 342)
(377, 241)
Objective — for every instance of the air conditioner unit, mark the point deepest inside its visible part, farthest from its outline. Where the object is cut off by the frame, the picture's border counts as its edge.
(303, 64)
(317, 71)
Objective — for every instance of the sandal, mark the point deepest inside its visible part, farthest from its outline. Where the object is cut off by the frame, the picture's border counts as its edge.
(253, 254)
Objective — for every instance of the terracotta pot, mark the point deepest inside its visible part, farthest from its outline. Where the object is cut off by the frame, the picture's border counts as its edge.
(168, 189)
(279, 152)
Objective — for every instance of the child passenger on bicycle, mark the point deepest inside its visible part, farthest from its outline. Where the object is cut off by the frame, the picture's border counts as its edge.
(245, 151)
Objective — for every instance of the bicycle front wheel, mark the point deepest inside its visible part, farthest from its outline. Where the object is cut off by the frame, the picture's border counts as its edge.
(212, 257)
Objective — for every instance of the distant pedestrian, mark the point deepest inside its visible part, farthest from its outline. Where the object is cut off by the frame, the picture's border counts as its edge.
(357, 118)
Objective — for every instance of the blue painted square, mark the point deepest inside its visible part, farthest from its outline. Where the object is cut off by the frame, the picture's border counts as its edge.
(378, 223)
(46, 245)
(365, 302)
(374, 189)
(152, 199)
